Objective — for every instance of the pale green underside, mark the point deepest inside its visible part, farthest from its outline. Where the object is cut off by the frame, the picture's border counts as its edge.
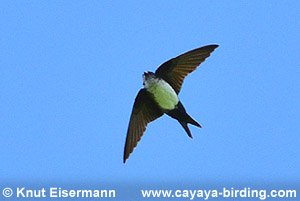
(163, 93)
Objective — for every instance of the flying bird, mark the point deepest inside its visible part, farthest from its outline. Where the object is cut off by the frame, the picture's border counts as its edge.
(160, 95)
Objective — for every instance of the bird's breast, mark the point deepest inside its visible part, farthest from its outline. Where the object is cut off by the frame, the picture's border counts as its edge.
(164, 95)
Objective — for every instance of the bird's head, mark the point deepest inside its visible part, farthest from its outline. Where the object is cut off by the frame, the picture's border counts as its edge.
(148, 75)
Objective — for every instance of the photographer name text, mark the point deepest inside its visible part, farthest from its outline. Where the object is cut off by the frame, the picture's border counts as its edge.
(55, 192)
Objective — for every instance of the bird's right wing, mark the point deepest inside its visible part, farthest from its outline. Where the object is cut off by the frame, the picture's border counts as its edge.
(144, 111)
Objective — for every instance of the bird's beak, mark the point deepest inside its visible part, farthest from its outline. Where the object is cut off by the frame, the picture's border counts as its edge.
(145, 73)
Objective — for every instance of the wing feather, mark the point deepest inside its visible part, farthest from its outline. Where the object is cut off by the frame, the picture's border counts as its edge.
(144, 111)
(175, 70)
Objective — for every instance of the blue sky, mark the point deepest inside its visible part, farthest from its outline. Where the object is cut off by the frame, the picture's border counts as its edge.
(70, 71)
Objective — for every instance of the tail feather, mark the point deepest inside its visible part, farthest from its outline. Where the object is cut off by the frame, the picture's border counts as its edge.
(183, 118)
(186, 128)
(192, 121)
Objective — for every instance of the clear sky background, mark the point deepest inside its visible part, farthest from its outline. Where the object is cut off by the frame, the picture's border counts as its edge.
(70, 71)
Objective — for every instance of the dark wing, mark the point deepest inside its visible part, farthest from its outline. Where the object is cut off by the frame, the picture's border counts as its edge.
(175, 70)
(144, 111)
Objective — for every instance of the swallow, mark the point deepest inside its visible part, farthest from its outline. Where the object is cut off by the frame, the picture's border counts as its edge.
(160, 95)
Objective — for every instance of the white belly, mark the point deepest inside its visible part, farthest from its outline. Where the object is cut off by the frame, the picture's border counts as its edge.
(163, 93)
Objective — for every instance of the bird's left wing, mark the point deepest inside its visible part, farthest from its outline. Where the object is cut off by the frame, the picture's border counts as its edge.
(144, 111)
(175, 70)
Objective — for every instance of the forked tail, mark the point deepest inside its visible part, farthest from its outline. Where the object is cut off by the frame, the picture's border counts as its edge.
(182, 116)
(185, 126)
